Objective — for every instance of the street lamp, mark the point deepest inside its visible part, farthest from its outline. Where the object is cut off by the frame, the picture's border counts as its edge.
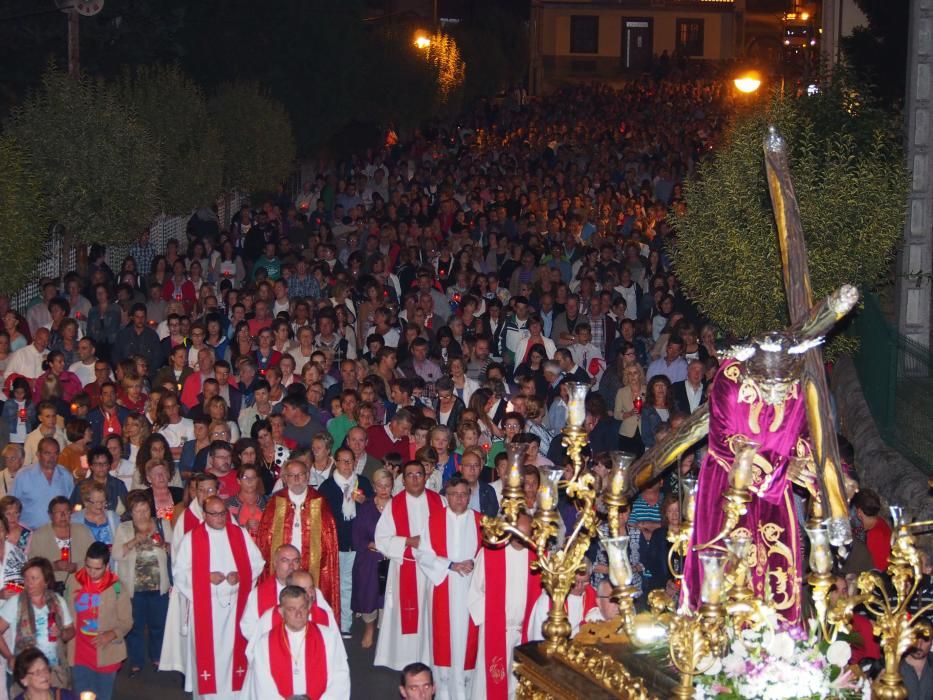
(748, 82)
(422, 40)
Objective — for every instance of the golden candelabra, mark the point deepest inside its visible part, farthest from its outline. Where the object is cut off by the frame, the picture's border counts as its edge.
(558, 564)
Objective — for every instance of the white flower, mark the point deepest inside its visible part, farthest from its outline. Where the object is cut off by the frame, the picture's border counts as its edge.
(781, 646)
(714, 666)
(839, 653)
(733, 664)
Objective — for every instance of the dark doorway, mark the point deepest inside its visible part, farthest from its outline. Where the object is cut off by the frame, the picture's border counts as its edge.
(636, 43)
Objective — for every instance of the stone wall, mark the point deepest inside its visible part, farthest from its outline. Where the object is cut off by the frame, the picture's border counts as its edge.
(880, 468)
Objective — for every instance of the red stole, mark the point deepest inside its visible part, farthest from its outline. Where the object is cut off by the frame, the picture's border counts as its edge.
(280, 661)
(267, 598)
(204, 612)
(408, 574)
(494, 629)
(189, 521)
(440, 607)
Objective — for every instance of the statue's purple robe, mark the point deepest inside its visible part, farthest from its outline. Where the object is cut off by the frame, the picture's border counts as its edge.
(736, 408)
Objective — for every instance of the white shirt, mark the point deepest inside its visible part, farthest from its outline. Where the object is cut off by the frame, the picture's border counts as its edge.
(177, 434)
(84, 372)
(694, 394)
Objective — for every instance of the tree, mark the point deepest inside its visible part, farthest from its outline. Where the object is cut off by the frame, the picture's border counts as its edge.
(97, 166)
(851, 184)
(174, 110)
(24, 212)
(259, 147)
(879, 51)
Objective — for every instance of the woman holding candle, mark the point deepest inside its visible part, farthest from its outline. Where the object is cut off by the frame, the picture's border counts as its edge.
(656, 409)
(247, 505)
(40, 620)
(19, 411)
(164, 497)
(12, 560)
(17, 534)
(141, 550)
(60, 541)
(629, 403)
(12, 460)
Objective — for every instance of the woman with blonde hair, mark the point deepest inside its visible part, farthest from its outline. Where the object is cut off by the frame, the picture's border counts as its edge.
(629, 401)
(12, 457)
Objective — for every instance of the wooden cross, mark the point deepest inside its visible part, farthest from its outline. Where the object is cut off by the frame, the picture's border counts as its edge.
(803, 314)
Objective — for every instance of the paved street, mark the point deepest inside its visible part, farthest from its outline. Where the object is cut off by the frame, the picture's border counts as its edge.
(369, 683)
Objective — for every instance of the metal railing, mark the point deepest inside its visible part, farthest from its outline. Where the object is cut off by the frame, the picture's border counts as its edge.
(896, 374)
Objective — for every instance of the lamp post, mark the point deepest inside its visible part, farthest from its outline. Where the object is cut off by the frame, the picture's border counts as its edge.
(748, 83)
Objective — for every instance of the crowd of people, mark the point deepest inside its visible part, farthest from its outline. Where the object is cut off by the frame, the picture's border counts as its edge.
(223, 455)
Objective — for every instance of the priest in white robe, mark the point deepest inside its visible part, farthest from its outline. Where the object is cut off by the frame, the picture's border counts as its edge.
(216, 568)
(582, 605)
(398, 538)
(321, 613)
(175, 641)
(265, 596)
(502, 593)
(298, 657)
(448, 549)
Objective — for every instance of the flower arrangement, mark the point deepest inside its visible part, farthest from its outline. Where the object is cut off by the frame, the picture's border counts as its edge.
(776, 662)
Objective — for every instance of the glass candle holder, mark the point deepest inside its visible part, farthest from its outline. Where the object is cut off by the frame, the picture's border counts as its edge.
(737, 547)
(620, 568)
(688, 494)
(547, 487)
(821, 557)
(576, 403)
(619, 474)
(713, 563)
(740, 476)
(516, 461)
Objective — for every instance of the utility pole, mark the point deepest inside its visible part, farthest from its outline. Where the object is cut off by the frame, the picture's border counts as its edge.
(74, 48)
(915, 259)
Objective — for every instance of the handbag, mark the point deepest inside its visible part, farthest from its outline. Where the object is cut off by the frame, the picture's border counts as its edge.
(168, 551)
(383, 575)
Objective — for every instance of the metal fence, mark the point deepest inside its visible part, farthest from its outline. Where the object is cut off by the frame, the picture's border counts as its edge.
(54, 265)
(897, 379)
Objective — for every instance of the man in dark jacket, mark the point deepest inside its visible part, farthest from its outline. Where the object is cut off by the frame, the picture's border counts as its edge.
(482, 496)
(139, 339)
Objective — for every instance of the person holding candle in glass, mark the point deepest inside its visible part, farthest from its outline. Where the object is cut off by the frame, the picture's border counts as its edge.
(61, 541)
(40, 620)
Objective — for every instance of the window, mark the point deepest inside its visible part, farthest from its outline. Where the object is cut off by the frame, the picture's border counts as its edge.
(690, 37)
(584, 34)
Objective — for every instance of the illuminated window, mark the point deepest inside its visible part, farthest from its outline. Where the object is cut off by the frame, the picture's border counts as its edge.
(584, 34)
(690, 37)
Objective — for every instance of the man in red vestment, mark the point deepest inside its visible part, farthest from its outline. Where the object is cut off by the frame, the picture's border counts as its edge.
(299, 516)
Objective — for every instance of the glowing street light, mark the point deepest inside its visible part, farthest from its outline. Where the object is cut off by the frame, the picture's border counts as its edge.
(748, 82)
(422, 41)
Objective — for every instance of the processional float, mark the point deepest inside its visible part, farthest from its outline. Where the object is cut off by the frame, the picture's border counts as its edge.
(769, 427)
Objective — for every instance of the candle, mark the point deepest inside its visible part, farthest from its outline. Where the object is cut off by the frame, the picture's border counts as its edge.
(88, 695)
(547, 488)
(821, 558)
(516, 460)
(713, 563)
(576, 404)
(156, 538)
(620, 568)
(66, 553)
(740, 477)
(22, 414)
(638, 403)
(689, 507)
(619, 476)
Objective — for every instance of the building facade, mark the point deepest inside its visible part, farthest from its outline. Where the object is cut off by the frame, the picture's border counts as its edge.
(605, 40)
